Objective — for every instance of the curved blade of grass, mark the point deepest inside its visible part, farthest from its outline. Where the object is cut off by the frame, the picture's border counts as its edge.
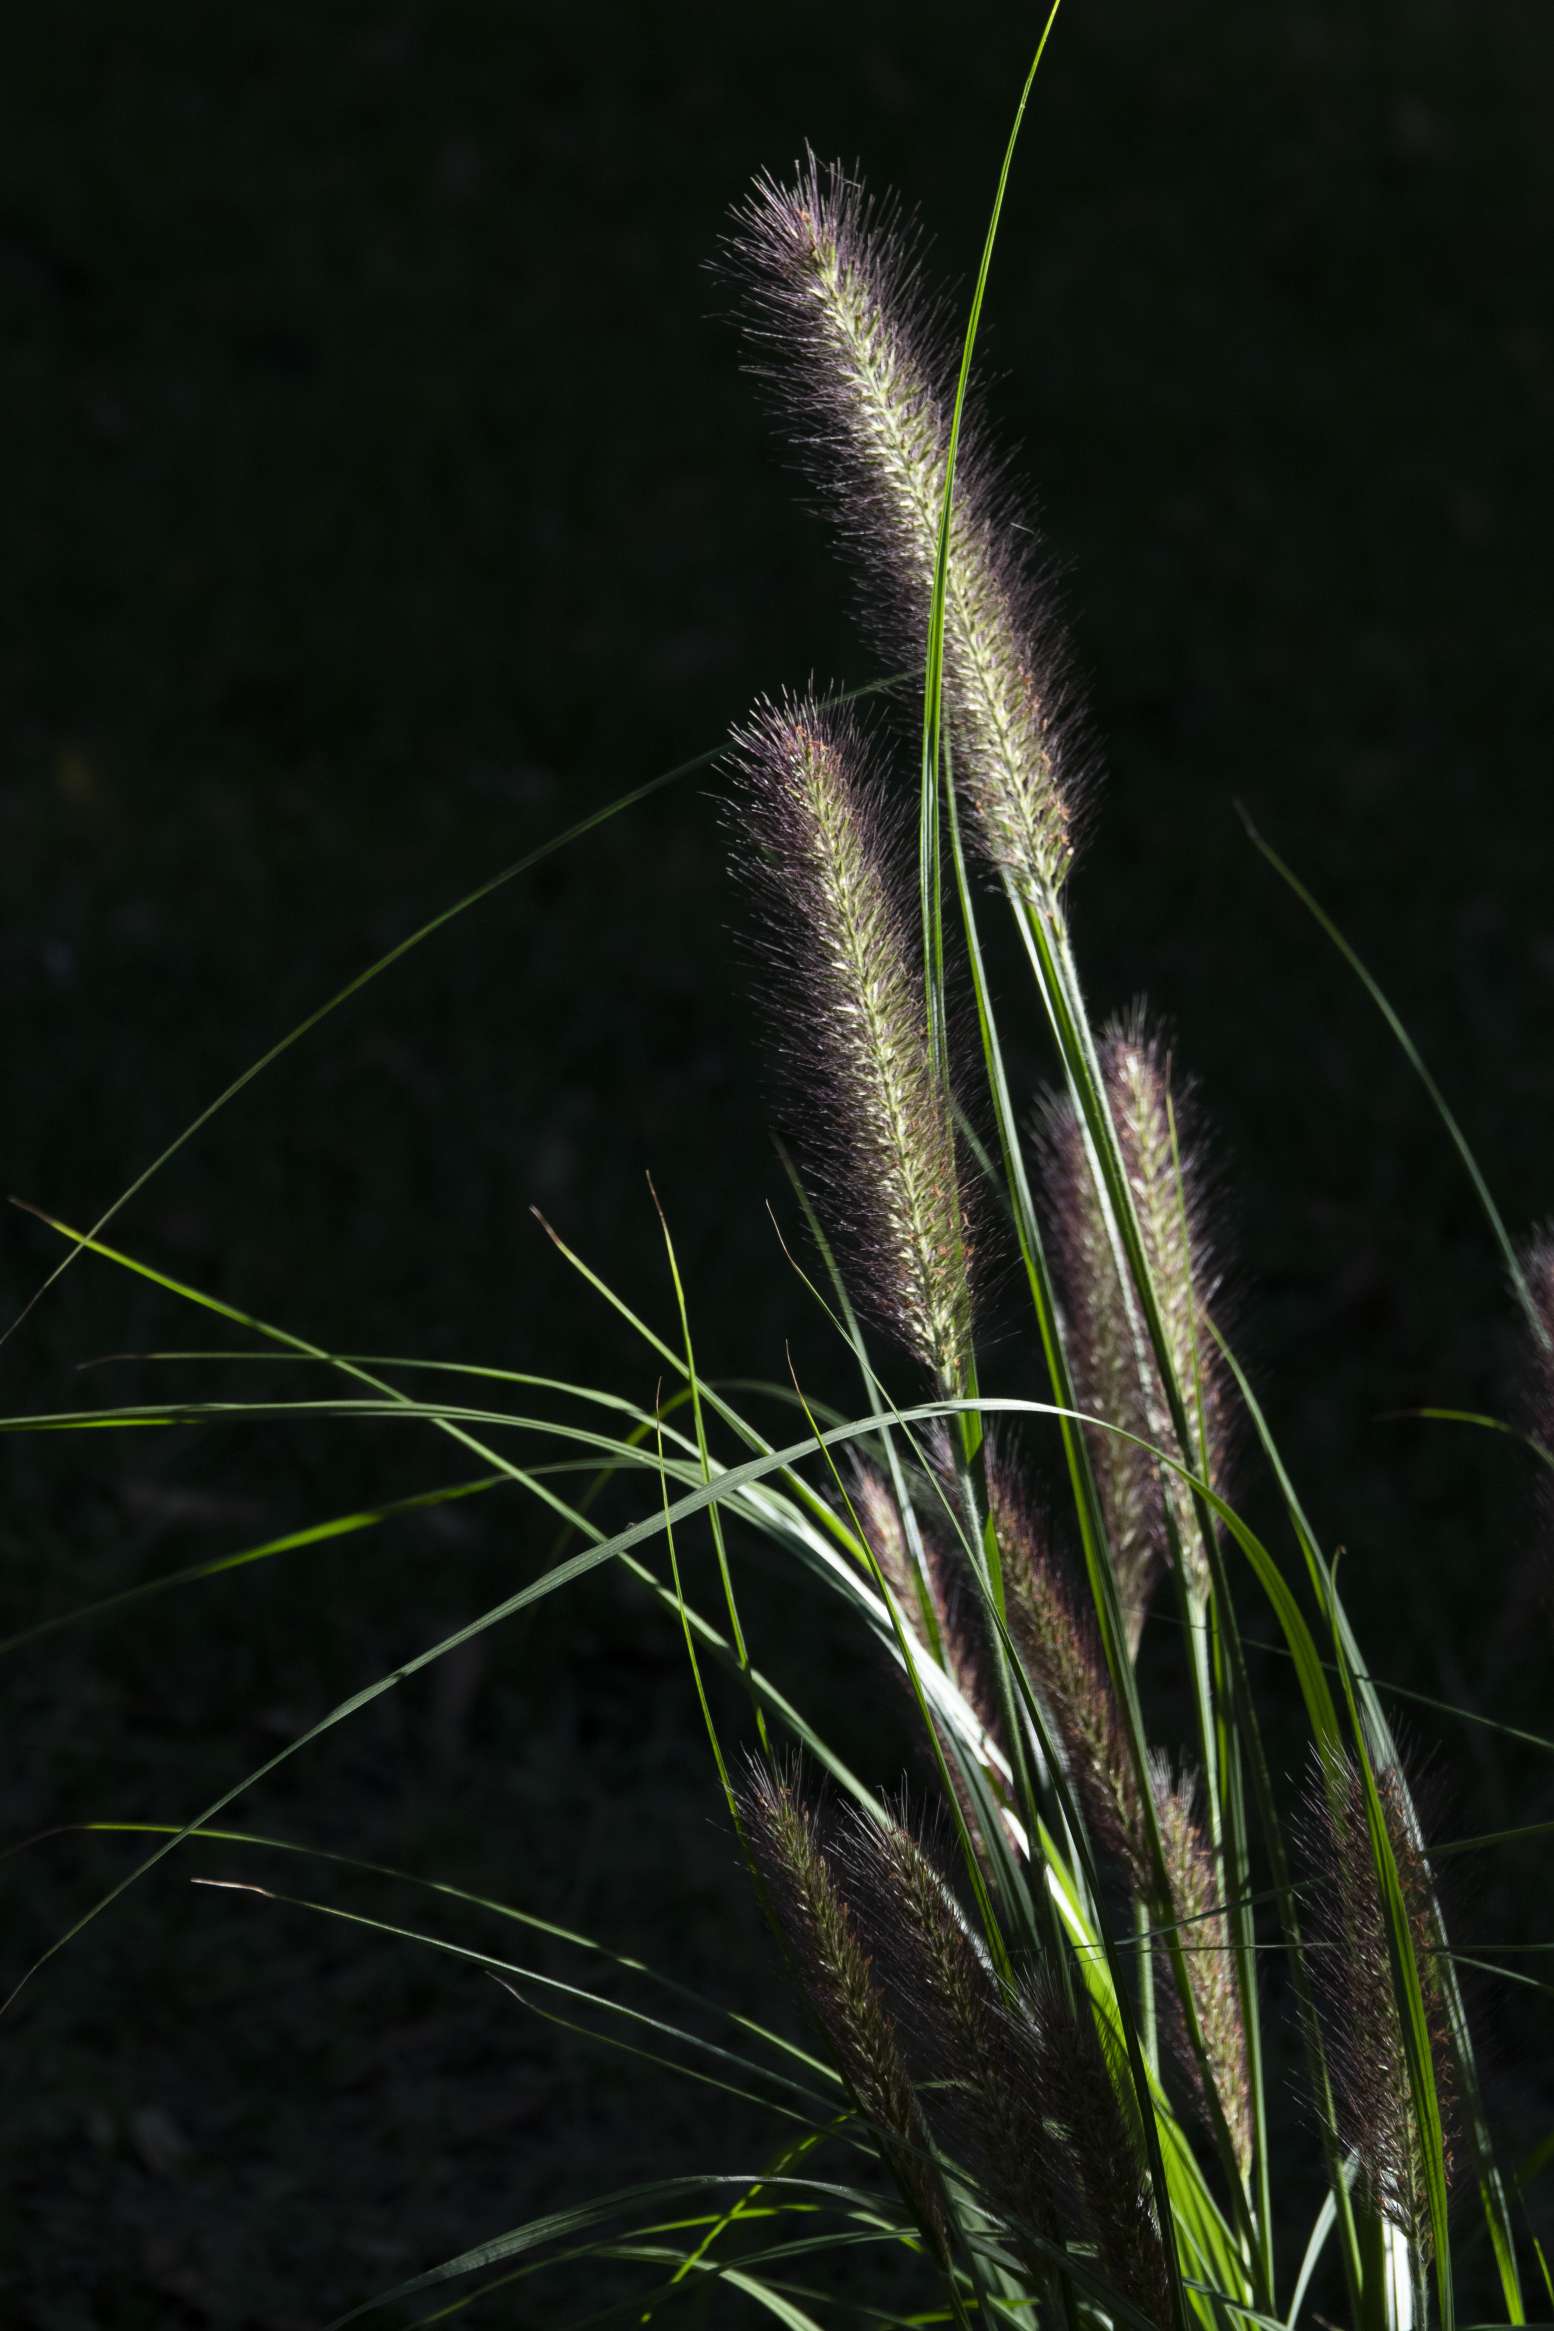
(399, 1404)
(661, 2063)
(1415, 1059)
(562, 1574)
(746, 2207)
(1326, 2219)
(560, 2224)
(403, 947)
(1490, 1837)
(715, 1518)
(743, 1661)
(313, 1534)
(1351, 1668)
(552, 1581)
(638, 2246)
(626, 1962)
(1488, 1424)
(593, 1999)
(361, 979)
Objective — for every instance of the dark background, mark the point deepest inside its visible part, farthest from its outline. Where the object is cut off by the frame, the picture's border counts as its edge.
(381, 493)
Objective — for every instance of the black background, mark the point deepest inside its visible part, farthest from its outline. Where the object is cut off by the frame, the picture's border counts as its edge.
(382, 493)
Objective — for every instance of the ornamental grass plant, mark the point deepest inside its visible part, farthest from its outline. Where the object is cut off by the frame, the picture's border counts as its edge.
(1119, 1977)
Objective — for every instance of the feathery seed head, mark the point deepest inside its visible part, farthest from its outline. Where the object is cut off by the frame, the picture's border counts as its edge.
(865, 365)
(879, 1518)
(952, 1592)
(1018, 2086)
(1061, 1653)
(1114, 1370)
(1538, 1266)
(811, 842)
(839, 1981)
(1060, 1650)
(1197, 1904)
(1094, 2123)
(1537, 1395)
(1352, 1980)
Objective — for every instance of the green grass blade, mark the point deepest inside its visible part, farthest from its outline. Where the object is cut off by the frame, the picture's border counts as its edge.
(714, 1516)
(1416, 1062)
(291, 1541)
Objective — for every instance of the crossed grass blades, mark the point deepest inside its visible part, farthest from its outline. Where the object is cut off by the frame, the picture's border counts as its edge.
(1042, 2076)
(853, 349)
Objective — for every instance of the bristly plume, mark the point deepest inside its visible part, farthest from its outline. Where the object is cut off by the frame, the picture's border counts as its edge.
(838, 1980)
(1114, 1370)
(1538, 1269)
(954, 1608)
(1018, 2086)
(974, 2068)
(1197, 1904)
(865, 364)
(1060, 1650)
(953, 1596)
(1101, 2149)
(1352, 1980)
(810, 838)
(1536, 1404)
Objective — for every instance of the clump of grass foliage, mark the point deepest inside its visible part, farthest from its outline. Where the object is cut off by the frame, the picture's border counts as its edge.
(1040, 2069)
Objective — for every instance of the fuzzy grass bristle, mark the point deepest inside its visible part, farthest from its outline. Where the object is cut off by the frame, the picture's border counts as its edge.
(1019, 2088)
(1197, 1905)
(838, 1979)
(1116, 1375)
(863, 365)
(953, 1602)
(809, 839)
(1060, 1650)
(1353, 1983)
